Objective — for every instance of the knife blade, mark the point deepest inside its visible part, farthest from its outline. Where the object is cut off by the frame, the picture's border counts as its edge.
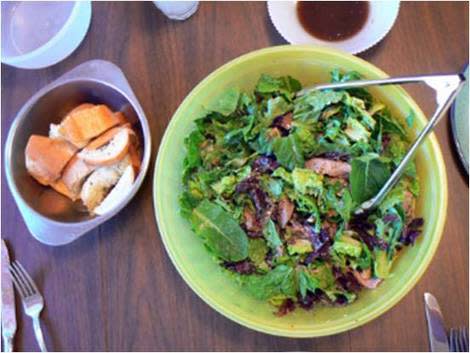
(436, 329)
(8, 303)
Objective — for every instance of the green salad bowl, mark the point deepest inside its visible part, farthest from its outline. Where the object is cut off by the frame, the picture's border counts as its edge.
(309, 65)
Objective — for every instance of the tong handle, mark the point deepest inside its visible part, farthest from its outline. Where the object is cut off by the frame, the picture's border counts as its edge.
(446, 87)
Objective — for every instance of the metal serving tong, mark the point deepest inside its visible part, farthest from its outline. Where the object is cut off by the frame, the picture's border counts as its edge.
(446, 86)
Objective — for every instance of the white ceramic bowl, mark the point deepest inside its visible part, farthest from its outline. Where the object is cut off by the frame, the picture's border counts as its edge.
(382, 16)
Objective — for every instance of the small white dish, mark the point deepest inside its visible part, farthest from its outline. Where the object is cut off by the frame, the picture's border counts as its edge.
(382, 16)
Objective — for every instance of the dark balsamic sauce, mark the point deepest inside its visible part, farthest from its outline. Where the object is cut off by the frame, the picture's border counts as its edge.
(333, 20)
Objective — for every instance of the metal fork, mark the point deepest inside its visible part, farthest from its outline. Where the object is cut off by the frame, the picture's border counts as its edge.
(458, 339)
(33, 302)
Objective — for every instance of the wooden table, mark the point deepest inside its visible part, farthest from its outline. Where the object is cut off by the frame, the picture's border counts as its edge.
(116, 289)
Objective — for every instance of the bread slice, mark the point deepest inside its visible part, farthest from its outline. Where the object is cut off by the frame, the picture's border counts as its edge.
(117, 193)
(60, 187)
(108, 148)
(75, 173)
(81, 107)
(81, 125)
(122, 118)
(45, 158)
(98, 184)
(135, 157)
(54, 129)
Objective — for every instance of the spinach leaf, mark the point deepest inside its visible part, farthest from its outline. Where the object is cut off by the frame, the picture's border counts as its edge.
(288, 151)
(299, 246)
(306, 181)
(364, 261)
(394, 231)
(382, 264)
(193, 156)
(227, 103)
(347, 245)
(283, 174)
(323, 273)
(257, 251)
(389, 125)
(276, 107)
(187, 203)
(269, 84)
(345, 206)
(274, 187)
(394, 197)
(271, 235)
(337, 76)
(221, 233)
(362, 93)
(279, 281)
(307, 282)
(368, 174)
(283, 85)
(309, 106)
(356, 131)
(226, 185)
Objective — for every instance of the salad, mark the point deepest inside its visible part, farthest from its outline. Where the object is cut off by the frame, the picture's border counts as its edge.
(271, 181)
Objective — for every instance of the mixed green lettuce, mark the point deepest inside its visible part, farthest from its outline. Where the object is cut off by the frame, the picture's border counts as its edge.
(271, 180)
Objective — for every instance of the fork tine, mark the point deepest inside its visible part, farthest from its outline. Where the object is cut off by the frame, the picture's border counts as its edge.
(466, 336)
(21, 278)
(17, 282)
(28, 277)
(453, 345)
(456, 340)
(463, 339)
(459, 340)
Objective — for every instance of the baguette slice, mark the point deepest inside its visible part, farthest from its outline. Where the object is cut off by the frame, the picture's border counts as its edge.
(75, 173)
(81, 125)
(45, 158)
(117, 193)
(135, 157)
(60, 187)
(122, 118)
(97, 185)
(54, 129)
(81, 107)
(108, 148)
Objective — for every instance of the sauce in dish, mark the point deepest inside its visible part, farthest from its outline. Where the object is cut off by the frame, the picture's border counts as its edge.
(333, 20)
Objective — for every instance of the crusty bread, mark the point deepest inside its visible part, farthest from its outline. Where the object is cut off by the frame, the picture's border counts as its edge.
(80, 126)
(117, 193)
(54, 132)
(75, 173)
(108, 148)
(54, 129)
(45, 158)
(98, 184)
(109, 160)
(60, 187)
(135, 157)
(122, 118)
(80, 107)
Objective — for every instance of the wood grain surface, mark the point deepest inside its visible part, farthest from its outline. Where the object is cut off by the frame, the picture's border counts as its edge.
(115, 288)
